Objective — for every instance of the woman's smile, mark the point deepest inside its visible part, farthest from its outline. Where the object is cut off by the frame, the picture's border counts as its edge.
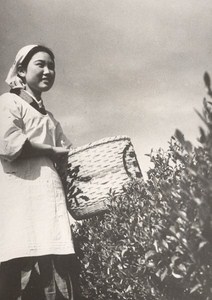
(40, 74)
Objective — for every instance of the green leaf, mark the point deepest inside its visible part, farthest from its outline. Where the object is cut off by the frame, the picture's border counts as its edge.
(197, 200)
(165, 244)
(178, 276)
(164, 274)
(207, 80)
(124, 251)
(129, 288)
(117, 256)
(182, 214)
(202, 244)
(182, 268)
(156, 246)
(188, 146)
(149, 254)
(195, 288)
(174, 258)
(180, 136)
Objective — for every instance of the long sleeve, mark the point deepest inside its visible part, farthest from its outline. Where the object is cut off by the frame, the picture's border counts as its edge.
(12, 135)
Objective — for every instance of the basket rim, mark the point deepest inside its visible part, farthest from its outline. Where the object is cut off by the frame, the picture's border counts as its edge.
(106, 140)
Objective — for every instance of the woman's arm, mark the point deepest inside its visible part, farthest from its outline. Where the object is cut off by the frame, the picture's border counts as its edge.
(31, 149)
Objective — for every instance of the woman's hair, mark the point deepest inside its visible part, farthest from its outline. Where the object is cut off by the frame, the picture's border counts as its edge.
(33, 51)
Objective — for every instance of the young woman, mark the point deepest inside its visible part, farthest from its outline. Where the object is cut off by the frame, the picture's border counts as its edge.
(36, 244)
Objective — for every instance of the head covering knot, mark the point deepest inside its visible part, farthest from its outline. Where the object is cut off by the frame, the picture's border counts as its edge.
(13, 80)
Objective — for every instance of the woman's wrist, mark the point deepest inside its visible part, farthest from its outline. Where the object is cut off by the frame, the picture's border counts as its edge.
(50, 150)
(31, 149)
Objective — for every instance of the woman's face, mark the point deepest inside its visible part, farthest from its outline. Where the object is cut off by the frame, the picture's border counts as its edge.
(40, 73)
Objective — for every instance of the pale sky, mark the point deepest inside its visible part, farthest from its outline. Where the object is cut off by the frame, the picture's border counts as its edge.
(124, 67)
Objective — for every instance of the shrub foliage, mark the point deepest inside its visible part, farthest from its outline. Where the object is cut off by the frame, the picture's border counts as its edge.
(156, 241)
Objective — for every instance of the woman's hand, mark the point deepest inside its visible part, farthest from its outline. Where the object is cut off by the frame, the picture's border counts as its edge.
(31, 149)
(58, 153)
(60, 159)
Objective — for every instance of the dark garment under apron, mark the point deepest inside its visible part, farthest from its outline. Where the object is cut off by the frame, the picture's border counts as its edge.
(49, 277)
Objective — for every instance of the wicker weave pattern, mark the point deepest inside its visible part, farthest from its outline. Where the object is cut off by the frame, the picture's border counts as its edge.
(97, 168)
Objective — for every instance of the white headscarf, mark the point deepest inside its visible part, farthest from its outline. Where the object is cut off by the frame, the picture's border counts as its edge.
(13, 80)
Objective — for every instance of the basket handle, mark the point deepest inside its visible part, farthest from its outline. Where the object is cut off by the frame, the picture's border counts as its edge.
(131, 153)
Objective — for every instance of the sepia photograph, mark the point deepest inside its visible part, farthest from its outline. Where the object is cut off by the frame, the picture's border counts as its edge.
(106, 150)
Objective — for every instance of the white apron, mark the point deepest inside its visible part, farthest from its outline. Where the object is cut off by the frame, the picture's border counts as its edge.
(33, 216)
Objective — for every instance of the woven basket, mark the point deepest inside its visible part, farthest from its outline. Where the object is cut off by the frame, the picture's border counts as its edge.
(96, 169)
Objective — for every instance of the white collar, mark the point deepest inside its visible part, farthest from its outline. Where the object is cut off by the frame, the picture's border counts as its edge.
(39, 102)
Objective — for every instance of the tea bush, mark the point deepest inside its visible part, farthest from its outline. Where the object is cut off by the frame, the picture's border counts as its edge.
(156, 241)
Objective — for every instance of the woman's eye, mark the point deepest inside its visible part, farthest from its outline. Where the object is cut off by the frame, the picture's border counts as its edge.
(51, 67)
(40, 65)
